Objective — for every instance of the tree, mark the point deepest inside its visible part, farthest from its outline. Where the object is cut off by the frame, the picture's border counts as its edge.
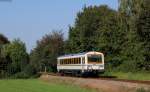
(3, 39)
(3, 62)
(134, 23)
(130, 7)
(143, 30)
(16, 53)
(83, 36)
(47, 50)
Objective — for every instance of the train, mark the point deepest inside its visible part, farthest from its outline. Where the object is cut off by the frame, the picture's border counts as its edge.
(80, 64)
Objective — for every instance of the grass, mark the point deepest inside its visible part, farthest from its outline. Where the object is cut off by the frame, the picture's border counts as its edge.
(129, 75)
(35, 85)
(142, 90)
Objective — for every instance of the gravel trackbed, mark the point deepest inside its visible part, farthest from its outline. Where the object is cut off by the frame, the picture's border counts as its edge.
(98, 84)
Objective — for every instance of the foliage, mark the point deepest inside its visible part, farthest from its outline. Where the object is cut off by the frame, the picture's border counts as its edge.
(3, 61)
(47, 51)
(84, 35)
(16, 57)
(123, 36)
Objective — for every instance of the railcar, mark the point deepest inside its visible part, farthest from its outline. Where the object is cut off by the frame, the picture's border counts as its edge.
(81, 63)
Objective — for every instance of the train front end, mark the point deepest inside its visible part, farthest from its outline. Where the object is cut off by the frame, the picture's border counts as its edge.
(94, 62)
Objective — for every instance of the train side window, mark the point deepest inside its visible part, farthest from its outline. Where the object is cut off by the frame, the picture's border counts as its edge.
(75, 60)
(83, 60)
(69, 61)
(63, 61)
(79, 60)
(66, 61)
(60, 61)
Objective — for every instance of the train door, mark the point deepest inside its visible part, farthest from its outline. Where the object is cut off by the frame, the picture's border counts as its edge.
(83, 63)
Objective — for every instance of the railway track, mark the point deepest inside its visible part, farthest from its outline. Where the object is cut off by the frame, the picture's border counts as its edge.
(105, 78)
(126, 80)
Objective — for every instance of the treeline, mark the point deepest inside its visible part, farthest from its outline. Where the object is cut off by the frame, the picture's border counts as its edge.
(123, 35)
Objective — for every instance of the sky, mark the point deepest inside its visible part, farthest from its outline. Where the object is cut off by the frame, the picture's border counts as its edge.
(29, 20)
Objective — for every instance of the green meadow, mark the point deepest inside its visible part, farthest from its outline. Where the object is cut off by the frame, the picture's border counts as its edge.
(35, 85)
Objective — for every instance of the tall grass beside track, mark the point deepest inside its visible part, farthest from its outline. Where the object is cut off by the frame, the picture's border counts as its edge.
(35, 85)
(129, 75)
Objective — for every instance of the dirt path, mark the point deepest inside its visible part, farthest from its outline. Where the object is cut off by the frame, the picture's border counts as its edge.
(100, 85)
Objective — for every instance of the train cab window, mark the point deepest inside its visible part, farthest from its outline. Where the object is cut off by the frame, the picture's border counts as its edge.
(94, 58)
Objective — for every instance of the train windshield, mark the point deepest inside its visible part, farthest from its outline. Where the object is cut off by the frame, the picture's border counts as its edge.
(94, 58)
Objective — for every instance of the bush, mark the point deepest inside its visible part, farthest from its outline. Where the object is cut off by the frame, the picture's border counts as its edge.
(28, 72)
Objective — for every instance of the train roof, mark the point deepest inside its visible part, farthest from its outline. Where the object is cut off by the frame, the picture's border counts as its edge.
(77, 54)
